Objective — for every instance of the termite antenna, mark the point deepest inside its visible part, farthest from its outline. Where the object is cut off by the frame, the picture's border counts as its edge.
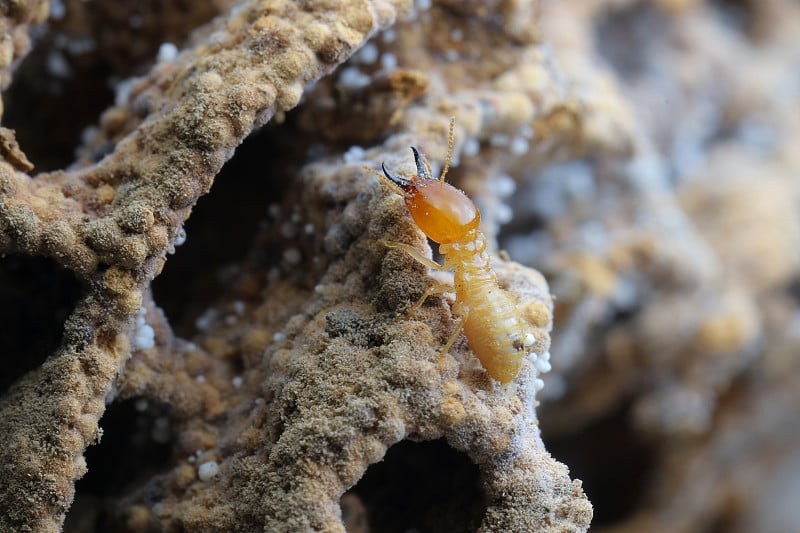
(449, 149)
(423, 170)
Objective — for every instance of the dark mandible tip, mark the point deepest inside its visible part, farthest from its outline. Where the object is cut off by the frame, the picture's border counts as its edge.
(394, 178)
(422, 168)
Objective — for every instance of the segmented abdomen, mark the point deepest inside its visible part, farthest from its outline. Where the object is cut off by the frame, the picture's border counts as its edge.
(494, 329)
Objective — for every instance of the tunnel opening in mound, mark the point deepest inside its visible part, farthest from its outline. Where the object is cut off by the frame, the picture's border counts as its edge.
(419, 486)
(37, 296)
(137, 443)
(613, 462)
(79, 59)
(223, 227)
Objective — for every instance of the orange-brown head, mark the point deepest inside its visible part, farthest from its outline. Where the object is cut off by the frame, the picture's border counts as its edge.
(444, 213)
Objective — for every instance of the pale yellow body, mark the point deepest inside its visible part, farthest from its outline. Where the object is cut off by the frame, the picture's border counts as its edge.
(492, 323)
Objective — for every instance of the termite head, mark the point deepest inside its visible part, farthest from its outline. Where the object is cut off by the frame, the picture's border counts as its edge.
(444, 213)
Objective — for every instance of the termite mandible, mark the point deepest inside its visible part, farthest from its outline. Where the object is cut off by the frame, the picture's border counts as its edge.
(496, 330)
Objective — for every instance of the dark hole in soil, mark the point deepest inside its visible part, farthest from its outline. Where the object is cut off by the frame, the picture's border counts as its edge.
(423, 487)
(37, 296)
(611, 460)
(222, 228)
(67, 80)
(137, 443)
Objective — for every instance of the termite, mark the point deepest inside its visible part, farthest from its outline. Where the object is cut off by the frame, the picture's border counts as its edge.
(495, 328)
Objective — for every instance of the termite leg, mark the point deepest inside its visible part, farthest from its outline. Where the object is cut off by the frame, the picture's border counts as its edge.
(463, 312)
(413, 252)
(439, 288)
